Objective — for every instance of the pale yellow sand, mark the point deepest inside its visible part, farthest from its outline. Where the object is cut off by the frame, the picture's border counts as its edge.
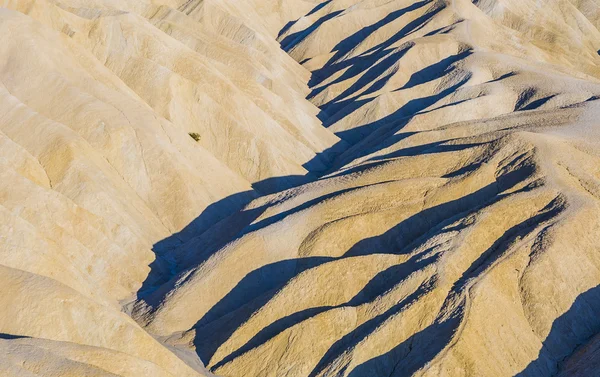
(378, 188)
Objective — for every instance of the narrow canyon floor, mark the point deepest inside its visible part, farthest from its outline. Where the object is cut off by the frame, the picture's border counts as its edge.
(300, 188)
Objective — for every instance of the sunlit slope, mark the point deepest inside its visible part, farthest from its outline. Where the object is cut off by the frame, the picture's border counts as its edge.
(99, 170)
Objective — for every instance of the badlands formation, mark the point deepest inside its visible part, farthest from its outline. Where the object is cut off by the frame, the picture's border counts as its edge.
(373, 188)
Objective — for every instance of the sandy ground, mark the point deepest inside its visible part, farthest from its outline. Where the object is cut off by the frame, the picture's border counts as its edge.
(299, 188)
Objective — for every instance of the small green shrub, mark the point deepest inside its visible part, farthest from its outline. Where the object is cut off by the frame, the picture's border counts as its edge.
(195, 136)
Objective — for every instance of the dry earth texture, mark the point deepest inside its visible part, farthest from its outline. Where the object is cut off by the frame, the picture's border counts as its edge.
(355, 188)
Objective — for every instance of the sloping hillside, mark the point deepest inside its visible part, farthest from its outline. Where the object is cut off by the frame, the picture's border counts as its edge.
(377, 188)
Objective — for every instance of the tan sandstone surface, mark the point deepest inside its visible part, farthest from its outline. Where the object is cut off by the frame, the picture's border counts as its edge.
(373, 188)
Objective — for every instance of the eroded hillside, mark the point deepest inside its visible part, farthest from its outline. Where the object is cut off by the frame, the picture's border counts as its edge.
(377, 188)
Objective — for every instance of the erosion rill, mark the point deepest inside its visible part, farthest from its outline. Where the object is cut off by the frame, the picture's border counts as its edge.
(304, 188)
